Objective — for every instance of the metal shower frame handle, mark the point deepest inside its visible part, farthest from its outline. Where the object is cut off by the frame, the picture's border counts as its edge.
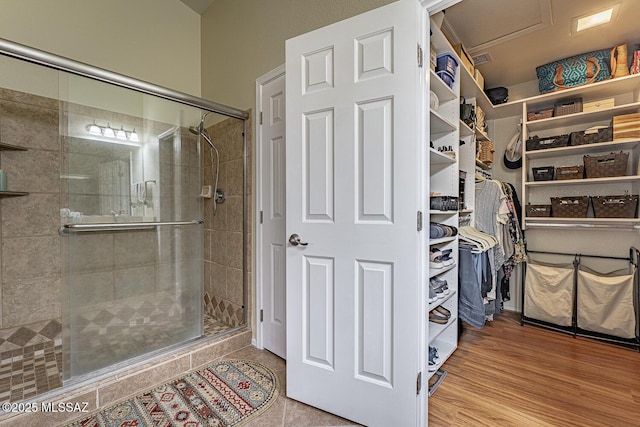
(122, 226)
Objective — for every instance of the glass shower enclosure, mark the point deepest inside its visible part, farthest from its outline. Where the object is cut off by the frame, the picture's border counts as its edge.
(132, 220)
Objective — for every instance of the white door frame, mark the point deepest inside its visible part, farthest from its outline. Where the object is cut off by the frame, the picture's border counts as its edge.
(259, 256)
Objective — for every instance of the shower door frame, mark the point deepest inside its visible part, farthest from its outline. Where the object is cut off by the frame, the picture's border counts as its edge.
(60, 63)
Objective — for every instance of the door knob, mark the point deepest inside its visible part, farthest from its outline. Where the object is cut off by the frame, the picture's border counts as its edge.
(294, 239)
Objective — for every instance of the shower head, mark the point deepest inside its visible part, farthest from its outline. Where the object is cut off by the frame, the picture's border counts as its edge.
(196, 129)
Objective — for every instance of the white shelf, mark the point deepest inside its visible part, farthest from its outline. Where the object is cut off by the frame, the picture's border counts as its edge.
(437, 158)
(442, 240)
(445, 350)
(580, 118)
(621, 144)
(440, 88)
(439, 302)
(592, 91)
(440, 125)
(554, 222)
(465, 130)
(433, 272)
(586, 181)
(481, 136)
(435, 212)
(482, 165)
(435, 329)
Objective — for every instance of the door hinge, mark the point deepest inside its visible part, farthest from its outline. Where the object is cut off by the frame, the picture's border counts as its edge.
(420, 56)
(419, 383)
(419, 220)
(261, 217)
(260, 117)
(261, 315)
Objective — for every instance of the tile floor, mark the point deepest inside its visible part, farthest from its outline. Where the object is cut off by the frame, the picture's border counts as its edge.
(36, 369)
(286, 412)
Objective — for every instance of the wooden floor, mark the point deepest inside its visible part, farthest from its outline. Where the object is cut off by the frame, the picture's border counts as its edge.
(511, 375)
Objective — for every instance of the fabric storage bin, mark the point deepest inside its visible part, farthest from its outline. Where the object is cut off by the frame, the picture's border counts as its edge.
(570, 207)
(539, 115)
(569, 172)
(536, 143)
(544, 173)
(592, 136)
(568, 107)
(446, 62)
(604, 302)
(444, 203)
(615, 206)
(614, 164)
(538, 211)
(548, 293)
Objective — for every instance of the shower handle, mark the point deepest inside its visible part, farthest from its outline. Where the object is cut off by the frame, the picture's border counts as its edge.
(294, 239)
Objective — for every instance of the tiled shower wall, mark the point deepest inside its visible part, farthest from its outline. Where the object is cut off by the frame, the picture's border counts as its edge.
(30, 256)
(223, 231)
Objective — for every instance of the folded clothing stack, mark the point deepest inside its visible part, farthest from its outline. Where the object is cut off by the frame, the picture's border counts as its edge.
(437, 231)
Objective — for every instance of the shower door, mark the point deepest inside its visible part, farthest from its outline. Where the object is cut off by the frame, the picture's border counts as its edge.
(131, 217)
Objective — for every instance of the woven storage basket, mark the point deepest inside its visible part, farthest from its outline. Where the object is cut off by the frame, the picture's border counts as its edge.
(538, 210)
(614, 164)
(539, 115)
(569, 172)
(536, 143)
(601, 135)
(568, 107)
(615, 206)
(486, 152)
(570, 207)
(544, 173)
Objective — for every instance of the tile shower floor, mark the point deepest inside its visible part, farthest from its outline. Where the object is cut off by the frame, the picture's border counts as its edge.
(37, 369)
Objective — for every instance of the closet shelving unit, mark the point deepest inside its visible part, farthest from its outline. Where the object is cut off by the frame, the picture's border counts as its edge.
(443, 179)
(625, 91)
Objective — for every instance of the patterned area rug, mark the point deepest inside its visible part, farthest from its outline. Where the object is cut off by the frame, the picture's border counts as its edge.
(227, 393)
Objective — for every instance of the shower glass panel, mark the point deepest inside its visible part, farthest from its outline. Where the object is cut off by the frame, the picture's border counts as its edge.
(132, 219)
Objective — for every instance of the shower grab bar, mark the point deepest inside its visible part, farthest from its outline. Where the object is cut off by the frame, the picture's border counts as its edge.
(122, 226)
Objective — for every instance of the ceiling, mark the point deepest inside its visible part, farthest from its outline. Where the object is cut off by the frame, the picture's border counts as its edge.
(199, 6)
(519, 35)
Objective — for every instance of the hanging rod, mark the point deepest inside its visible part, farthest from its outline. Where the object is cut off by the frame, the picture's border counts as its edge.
(122, 226)
(580, 255)
(50, 60)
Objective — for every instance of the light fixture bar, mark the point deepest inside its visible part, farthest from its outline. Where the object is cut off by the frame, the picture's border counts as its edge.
(109, 132)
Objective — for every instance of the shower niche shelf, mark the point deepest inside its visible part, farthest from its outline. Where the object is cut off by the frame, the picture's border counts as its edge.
(11, 147)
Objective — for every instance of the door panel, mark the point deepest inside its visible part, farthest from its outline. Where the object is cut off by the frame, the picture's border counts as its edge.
(354, 341)
(273, 206)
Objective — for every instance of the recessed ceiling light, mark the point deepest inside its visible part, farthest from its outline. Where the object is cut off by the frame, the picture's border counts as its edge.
(584, 22)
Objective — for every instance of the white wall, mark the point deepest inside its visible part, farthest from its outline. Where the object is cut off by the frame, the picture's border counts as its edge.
(153, 40)
(242, 40)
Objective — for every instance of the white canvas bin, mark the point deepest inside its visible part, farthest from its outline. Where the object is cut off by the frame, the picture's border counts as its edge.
(548, 293)
(605, 303)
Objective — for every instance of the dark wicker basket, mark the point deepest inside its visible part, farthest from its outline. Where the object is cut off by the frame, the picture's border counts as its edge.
(569, 172)
(615, 206)
(536, 143)
(601, 135)
(570, 207)
(538, 210)
(543, 174)
(614, 164)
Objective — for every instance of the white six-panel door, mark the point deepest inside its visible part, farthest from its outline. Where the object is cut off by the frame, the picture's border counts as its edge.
(272, 211)
(353, 156)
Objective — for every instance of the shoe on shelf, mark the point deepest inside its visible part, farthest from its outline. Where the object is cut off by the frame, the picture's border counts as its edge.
(433, 354)
(438, 284)
(440, 309)
(438, 318)
(435, 295)
(435, 260)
